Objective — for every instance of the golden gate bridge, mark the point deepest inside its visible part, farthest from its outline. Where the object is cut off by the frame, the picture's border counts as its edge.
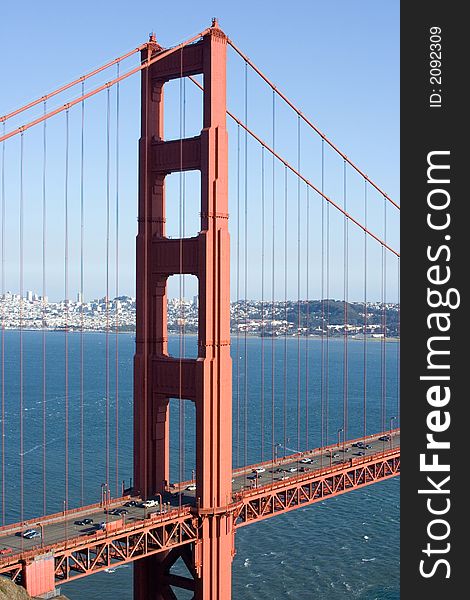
(291, 229)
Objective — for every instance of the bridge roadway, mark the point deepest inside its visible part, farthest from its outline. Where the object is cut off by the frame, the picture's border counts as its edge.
(58, 528)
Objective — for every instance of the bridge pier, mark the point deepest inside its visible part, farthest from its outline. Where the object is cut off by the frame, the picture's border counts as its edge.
(207, 380)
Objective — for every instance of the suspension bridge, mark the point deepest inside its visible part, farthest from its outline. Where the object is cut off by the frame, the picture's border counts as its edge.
(319, 418)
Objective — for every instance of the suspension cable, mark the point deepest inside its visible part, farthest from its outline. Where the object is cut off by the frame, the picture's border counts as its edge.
(286, 163)
(364, 376)
(327, 357)
(398, 346)
(82, 323)
(307, 319)
(245, 349)
(144, 65)
(238, 296)
(67, 86)
(284, 408)
(116, 275)
(3, 328)
(346, 299)
(181, 284)
(273, 285)
(66, 299)
(277, 91)
(44, 359)
(108, 206)
(384, 326)
(262, 299)
(21, 329)
(298, 285)
(322, 286)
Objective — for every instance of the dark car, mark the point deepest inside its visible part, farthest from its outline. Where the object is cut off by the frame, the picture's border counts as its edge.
(360, 453)
(131, 503)
(384, 438)
(84, 522)
(121, 511)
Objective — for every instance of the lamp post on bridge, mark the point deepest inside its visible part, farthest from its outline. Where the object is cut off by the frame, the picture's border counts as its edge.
(276, 446)
(341, 429)
(391, 440)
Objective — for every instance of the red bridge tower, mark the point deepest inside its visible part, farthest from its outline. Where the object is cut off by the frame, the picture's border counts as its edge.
(206, 380)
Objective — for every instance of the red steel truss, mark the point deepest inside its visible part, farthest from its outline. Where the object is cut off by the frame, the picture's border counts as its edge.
(179, 533)
(280, 497)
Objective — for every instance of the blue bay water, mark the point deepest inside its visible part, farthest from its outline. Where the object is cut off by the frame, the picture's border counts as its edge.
(346, 547)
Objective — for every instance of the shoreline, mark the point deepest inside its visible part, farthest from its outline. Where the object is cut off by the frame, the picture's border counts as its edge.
(193, 334)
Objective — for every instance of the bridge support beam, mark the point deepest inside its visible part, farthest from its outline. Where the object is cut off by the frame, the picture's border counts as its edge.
(208, 381)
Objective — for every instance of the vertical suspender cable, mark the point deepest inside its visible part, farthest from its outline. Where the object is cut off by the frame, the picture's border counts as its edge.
(322, 286)
(364, 376)
(327, 357)
(346, 294)
(181, 289)
(44, 230)
(108, 192)
(245, 349)
(238, 295)
(307, 321)
(183, 232)
(273, 284)
(262, 300)
(298, 287)
(116, 275)
(21, 331)
(285, 313)
(82, 340)
(384, 324)
(398, 346)
(3, 326)
(66, 299)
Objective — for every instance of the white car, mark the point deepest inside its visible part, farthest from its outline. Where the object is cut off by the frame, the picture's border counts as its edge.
(259, 470)
(149, 503)
(292, 469)
(306, 461)
(191, 487)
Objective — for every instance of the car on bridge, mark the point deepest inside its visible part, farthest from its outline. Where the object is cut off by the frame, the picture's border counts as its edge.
(191, 487)
(384, 438)
(5, 550)
(306, 460)
(82, 522)
(259, 470)
(148, 503)
(131, 503)
(31, 534)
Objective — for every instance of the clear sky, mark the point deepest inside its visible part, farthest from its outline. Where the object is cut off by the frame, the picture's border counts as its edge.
(338, 61)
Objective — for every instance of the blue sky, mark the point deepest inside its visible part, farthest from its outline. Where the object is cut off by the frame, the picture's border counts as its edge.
(338, 61)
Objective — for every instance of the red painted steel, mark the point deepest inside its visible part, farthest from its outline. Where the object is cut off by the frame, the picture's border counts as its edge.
(38, 575)
(69, 85)
(157, 376)
(142, 67)
(179, 534)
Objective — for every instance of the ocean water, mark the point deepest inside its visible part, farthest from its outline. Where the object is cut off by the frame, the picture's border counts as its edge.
(345, 547)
